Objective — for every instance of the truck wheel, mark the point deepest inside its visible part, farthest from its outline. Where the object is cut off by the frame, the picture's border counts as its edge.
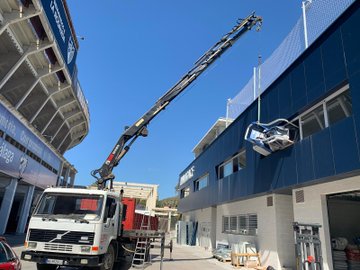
(109, 259)
(40, 266)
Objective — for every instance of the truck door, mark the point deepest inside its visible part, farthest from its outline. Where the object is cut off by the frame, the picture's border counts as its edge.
(109, 222)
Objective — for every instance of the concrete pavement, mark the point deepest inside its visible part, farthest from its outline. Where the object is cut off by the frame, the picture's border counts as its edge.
(183, 258)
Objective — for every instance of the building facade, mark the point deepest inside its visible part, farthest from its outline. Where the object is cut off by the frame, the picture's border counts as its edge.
(43, 111)
(235, 194)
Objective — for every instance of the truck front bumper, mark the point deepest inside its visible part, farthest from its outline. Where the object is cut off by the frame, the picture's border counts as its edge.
(62, 259)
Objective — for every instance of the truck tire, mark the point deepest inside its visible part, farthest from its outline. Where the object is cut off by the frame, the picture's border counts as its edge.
(41, 266)
(109, 259)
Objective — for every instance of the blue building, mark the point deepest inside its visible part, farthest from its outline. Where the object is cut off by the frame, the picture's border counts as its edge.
(43, 111)
(235, 194)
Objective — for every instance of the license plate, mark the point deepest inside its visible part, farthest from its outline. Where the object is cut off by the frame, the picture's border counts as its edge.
(55, 261)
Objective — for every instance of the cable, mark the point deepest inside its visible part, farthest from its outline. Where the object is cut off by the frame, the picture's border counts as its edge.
(128, 250)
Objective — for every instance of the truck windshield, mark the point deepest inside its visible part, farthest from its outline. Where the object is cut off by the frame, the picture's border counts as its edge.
(77, 206)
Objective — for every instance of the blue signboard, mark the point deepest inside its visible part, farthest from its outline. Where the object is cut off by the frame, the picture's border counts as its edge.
(16, 162)
(55, 12)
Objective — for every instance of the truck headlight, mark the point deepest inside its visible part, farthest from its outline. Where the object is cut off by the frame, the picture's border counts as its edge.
(32, 245)
(85, 249)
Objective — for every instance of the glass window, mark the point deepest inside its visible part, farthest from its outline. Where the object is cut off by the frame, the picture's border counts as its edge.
(252, 226)
(233, 224)
(245, 224)
(242, 224)
(313, 121)
(70, 206)
(226, 224)
(227, 168)
(110, 202)
(201, 182)
(3, 256)
(239, 161)
(9, 251)
(339, 107)
(185, 192)
(235, 164)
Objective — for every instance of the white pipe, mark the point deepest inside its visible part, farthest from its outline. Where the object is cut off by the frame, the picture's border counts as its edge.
(303, 6)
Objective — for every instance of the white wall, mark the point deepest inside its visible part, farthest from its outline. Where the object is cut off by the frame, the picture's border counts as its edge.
(285, 234)
(314, 210)
(274, 240)
(205, 235)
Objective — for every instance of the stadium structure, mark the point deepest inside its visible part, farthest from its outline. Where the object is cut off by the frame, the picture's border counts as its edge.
(43, 111)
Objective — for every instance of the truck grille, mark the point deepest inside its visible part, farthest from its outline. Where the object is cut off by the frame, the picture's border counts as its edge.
(58, 247)
(61, 237)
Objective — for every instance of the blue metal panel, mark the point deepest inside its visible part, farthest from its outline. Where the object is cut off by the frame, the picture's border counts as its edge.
(346, 156)
(298, 87)
(285, 97)
(273, 103)
(323, 154)
(288, 170)
(314, 75)
(304, 160)
(333, 60)
(351, 40)
(265, 112)
(55, 12)
(17, 163)
(354, 83)
(265, 173)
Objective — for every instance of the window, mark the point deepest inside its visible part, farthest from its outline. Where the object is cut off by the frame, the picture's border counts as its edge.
(201, 183)
(339, 107)
(235, 164)
(110, 202)
(76, 206)
(233, 224)
(15, 143)
(239, 161)
(245, 224)
(331, 110)
(33, 156)
(226, 224)
(313, 122)
(184, 192)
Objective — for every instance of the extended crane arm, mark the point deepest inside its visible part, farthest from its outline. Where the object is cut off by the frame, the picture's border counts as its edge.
(139, 128)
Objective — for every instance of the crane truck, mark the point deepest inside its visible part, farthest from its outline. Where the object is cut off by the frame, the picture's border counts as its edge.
(84, 227)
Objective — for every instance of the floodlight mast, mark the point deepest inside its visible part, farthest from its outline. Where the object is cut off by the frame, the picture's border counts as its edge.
(139, 128)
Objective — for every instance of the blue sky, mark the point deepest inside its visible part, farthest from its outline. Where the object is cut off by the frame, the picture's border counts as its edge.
(134, 51)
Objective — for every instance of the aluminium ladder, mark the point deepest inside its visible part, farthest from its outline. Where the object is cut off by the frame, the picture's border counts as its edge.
(142, 250)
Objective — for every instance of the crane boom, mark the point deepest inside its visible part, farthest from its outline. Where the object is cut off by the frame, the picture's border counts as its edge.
(139, 128)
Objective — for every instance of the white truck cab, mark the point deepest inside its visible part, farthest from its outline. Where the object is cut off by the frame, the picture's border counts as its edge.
(74, 227)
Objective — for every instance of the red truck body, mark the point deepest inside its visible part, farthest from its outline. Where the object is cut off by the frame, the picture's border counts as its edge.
(133, 220)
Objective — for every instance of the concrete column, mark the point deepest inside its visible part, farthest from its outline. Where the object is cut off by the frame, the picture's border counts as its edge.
(24, 214)
(72, 179)
(66, 177)
(58, 182)
(169, 222)
(6, 204)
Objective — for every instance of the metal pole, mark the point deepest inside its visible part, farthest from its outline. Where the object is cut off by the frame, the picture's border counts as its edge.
(254, 82)
(303, 6)
(227, 111)
(259, 88)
